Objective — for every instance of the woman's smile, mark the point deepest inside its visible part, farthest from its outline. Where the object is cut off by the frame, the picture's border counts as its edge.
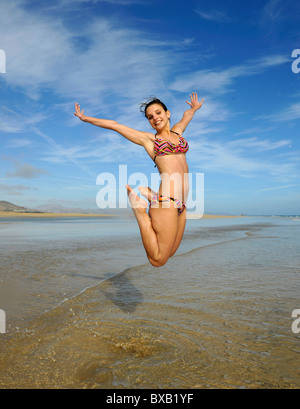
(157, 116)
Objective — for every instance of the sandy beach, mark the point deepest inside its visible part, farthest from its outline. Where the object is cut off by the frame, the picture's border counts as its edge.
(85, 309)
(45, 214)
(48, 214)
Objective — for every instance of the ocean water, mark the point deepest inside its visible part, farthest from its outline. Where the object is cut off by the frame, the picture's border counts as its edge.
(85, 309)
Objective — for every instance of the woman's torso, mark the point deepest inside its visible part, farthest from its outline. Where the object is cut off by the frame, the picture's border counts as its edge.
(172, 165)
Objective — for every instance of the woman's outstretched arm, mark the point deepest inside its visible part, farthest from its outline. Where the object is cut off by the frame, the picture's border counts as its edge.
(189, 113)
(138, 137)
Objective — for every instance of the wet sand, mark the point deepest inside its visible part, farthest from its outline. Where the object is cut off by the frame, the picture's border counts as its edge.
(218, 315)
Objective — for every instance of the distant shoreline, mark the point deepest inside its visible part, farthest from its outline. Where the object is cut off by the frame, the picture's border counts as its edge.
(49, 214)
(4, 214)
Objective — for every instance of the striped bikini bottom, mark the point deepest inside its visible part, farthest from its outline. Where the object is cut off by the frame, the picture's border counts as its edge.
(156, 199)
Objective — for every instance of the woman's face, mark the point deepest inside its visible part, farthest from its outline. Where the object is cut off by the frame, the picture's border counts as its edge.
(157, 116)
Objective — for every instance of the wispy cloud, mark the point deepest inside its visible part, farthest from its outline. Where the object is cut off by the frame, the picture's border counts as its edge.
(25, 170)
(67, 153)
(13, 190)
(220, 80)
(18, 143)
(254, 130)
(272, 11)
(12, 121)
(36, 48)
(214, 15)
(271, 16)
(268, 189)
(83, 156)
(259, 145)
(242, 158)
(80, 65)
(62, 3)
(290, 113)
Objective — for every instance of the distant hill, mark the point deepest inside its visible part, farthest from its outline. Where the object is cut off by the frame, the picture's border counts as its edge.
(55, 208)
(10, 207)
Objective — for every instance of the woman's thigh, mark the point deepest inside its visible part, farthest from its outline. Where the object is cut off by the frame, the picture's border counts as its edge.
(165, 224)
(180, 231)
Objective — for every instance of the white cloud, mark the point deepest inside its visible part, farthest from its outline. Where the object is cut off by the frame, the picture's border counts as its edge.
(259, 145)
(268, 189)
(15, 122)
(68, 154)
(112, 64)
(214, 15)
(92, 152)
(62, 3)
(272, 11)
(255, 130)
(241, 157)
(18, 143)
(220, 81)
(288, 114)
(110, 61)
(36, 47)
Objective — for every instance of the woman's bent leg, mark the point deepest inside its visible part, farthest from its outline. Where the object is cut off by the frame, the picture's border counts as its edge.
(149, 194)
(158, 233)
(180, 231)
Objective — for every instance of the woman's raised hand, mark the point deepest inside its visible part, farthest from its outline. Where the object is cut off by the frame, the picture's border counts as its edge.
(78, 112)
(195, 104)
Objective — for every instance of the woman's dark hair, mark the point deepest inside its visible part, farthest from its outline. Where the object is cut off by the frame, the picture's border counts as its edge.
(150, 101)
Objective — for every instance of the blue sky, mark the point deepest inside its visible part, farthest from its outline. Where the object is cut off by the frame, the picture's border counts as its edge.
(109, 56)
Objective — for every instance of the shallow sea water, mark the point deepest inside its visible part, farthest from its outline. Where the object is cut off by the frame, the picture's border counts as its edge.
(85, 309)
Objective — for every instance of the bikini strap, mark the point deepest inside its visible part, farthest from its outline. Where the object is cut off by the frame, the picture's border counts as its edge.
(154, 151)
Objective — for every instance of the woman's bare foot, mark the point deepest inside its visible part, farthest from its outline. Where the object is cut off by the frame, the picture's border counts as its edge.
(137, 204)
(147, 192)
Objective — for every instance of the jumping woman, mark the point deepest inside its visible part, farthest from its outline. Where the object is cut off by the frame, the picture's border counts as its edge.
(162, 229)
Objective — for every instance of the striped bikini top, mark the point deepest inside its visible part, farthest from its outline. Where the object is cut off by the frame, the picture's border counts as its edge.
(163, 147)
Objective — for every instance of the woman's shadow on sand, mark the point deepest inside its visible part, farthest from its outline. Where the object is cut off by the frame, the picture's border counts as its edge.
(122, 292)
